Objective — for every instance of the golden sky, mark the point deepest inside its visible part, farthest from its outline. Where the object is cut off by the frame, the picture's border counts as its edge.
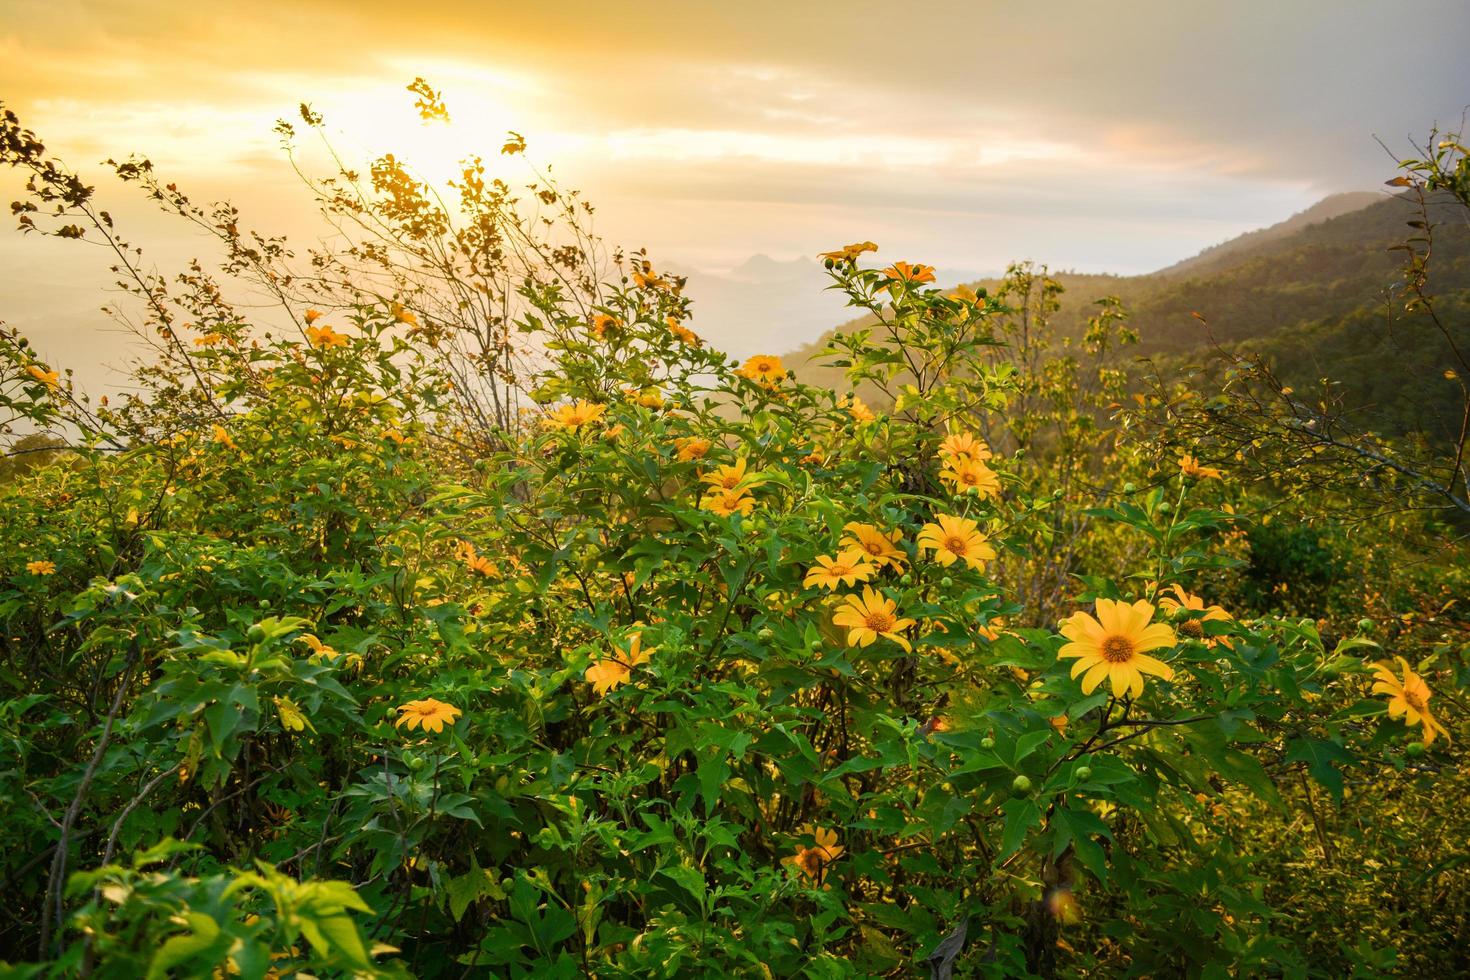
(1104, 136)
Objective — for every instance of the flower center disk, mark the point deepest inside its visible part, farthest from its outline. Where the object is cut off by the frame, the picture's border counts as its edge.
(1117, 649)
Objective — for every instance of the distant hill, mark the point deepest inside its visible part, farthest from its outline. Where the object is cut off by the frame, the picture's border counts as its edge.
(1219, 256)
(1310, 293)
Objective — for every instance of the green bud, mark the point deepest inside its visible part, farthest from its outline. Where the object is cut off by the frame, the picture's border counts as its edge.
(1129, 487)
(1084, 773)
(415, 763)
(906, 579)
(1414, 749)
(987, 742)
(1021, 785)
(1365, 625)
(1166, 507)
(766, 633)
(946, 582)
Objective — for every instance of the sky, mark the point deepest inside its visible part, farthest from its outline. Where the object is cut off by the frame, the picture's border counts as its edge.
(1097, 136)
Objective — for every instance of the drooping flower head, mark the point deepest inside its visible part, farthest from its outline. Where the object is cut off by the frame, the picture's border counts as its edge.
(1114, 646)
(847, 568)
(48, 378)
(682, 332)
(848, 253)
(870, 617)
(428, 713)
(956, 539)
(691, 448)
(1407, 698)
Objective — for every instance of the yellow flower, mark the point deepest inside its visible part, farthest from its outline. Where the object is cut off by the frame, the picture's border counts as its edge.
(606, 675)
(645, 397)
(313, 316)
(813, 861)
(1408, 698)
(966, 475)
(992, 630)
(292, 717)
(849, 253)
(42, 567)
(764, 368)
(682, 332)
(602, 324)
(223, 438)
(731, 477)
(318, 648)
(691, 448)
(880, 546)
(1115, 646)
(1184, 603)
(727, 502)
(475, 562)
(848, 568)
(963, 444)
(48, 378)
(401, 314)
(903, 272)
(1190, 466)
(964, 294)
(860, 412)
(870, 617)
(645, 278)
(575, 415)
(429, 713)
(209, 340)
(956, 539)
(325, 337)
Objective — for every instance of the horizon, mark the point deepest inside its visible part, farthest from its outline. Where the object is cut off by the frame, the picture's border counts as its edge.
(713, 136)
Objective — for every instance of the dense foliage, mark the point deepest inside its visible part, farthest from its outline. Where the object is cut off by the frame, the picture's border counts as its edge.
(672, 666)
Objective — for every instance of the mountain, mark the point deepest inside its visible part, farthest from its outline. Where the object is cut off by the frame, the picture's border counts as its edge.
(1311, 293)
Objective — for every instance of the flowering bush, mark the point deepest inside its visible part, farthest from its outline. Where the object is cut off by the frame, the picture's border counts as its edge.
(694, 670)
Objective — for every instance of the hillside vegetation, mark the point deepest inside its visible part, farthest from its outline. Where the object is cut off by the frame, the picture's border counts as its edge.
(485, 621)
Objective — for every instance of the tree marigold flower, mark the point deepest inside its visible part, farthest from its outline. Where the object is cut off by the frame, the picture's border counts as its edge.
(48, 378)
(848, 568)
(903, 272)
(691, 448)
(645, 278)
(682, 332)
(474, 561)
(727, 502)
(849, 253)
(209, 340)
(608, 674)
(729, 477)
(963, 444)
(223, 438)
(1185, 604)
(966, 475)
(313, 316)
(954, 539)
(603, 324)
(859, 412)
(1407, 698)
(813, 861)
(881, 546)
(766, 369)
(1189, 466)
(41, 567)
(325, 336)
(1115, 646)
(575, 415)
(870, 617)
(428, 713)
